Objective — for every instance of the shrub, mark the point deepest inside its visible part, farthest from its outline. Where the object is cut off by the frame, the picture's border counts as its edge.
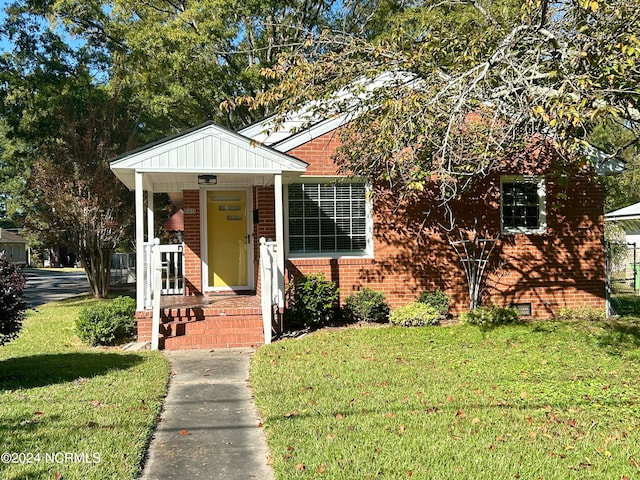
(366, 305)
(436, 299)
(415, 315)
(586, 314)
(107, 323)
(12, 305)
(311, 301)
(491, 316)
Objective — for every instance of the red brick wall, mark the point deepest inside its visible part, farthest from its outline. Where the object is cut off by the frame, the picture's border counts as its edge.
(318, 154)
(563, 267)
(264, 201)
(192, 247)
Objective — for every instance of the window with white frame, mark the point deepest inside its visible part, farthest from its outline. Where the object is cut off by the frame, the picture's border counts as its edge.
(328, 219)
(522, 204)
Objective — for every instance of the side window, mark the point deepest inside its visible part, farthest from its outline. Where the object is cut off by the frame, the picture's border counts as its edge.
(522, 204)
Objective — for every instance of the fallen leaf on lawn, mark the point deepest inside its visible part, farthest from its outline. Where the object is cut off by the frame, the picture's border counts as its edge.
(460, 414)
(331, 435)
(95, 403)
(290, 414)
(402, 428)
(475, 420)
(270, 460)
(300, 467)
(321, 468)
(184, 432)
(449, 398)
(339, 416)
(37, 414)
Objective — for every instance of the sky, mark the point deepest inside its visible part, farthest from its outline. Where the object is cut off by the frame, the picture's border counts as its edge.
(4, 43)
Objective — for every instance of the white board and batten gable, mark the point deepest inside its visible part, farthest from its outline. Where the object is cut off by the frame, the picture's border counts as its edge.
(174, 163)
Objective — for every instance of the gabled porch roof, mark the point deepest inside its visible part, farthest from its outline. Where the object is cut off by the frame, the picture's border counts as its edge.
(174, 163)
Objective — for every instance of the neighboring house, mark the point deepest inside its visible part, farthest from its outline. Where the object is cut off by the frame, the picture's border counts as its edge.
(13, 247)
(629, 219)
(236, 187)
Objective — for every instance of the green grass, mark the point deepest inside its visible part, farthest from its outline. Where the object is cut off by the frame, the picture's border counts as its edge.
(58, 396)
(542, 400)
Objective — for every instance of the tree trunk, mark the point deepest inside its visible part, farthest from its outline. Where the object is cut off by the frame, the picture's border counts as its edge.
(97, 267)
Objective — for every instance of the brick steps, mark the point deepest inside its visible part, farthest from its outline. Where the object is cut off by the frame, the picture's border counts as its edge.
(205, 327)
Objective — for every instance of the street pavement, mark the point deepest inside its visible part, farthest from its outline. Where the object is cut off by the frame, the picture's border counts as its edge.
(44, 286)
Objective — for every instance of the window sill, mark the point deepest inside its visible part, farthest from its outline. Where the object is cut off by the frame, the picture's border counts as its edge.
(364, 256)
(523, 231)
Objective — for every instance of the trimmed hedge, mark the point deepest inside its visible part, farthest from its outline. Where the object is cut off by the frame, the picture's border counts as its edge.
(415, 315)
(107, 323)
(312, 301)
(366, 305)
(436, 299)
(491, 316)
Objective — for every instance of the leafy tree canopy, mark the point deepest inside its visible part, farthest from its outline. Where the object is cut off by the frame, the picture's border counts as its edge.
(475, 81)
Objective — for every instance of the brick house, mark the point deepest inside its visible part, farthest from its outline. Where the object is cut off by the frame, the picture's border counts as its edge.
(238, 187)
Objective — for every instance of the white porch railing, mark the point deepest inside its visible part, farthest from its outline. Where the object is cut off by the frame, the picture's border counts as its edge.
(269, 293)
(172, 275)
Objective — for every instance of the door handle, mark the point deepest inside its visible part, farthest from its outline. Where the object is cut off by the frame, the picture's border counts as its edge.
(248, 238)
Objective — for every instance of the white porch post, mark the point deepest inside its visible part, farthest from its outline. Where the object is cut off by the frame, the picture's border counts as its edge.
(150, 218)
(157, 288)
(277, 184)
(140, 263)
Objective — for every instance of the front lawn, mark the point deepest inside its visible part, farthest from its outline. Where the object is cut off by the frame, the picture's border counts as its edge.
(545, 401)
(71, 411)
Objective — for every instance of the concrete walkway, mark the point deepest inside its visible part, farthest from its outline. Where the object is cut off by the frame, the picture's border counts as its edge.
(209, 427)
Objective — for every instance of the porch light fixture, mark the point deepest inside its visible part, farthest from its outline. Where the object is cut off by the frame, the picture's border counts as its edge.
(207, 179)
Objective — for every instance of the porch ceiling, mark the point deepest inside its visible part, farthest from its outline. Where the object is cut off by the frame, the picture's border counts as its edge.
(174, 163)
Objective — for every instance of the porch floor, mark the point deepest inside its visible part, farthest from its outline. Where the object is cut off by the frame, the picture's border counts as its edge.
(221, 301)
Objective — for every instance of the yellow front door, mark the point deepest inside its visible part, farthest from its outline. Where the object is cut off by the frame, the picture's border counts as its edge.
(227, 236)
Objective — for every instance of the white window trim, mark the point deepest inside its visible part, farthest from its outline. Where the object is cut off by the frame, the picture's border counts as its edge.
(542, 204)
(368, 253)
